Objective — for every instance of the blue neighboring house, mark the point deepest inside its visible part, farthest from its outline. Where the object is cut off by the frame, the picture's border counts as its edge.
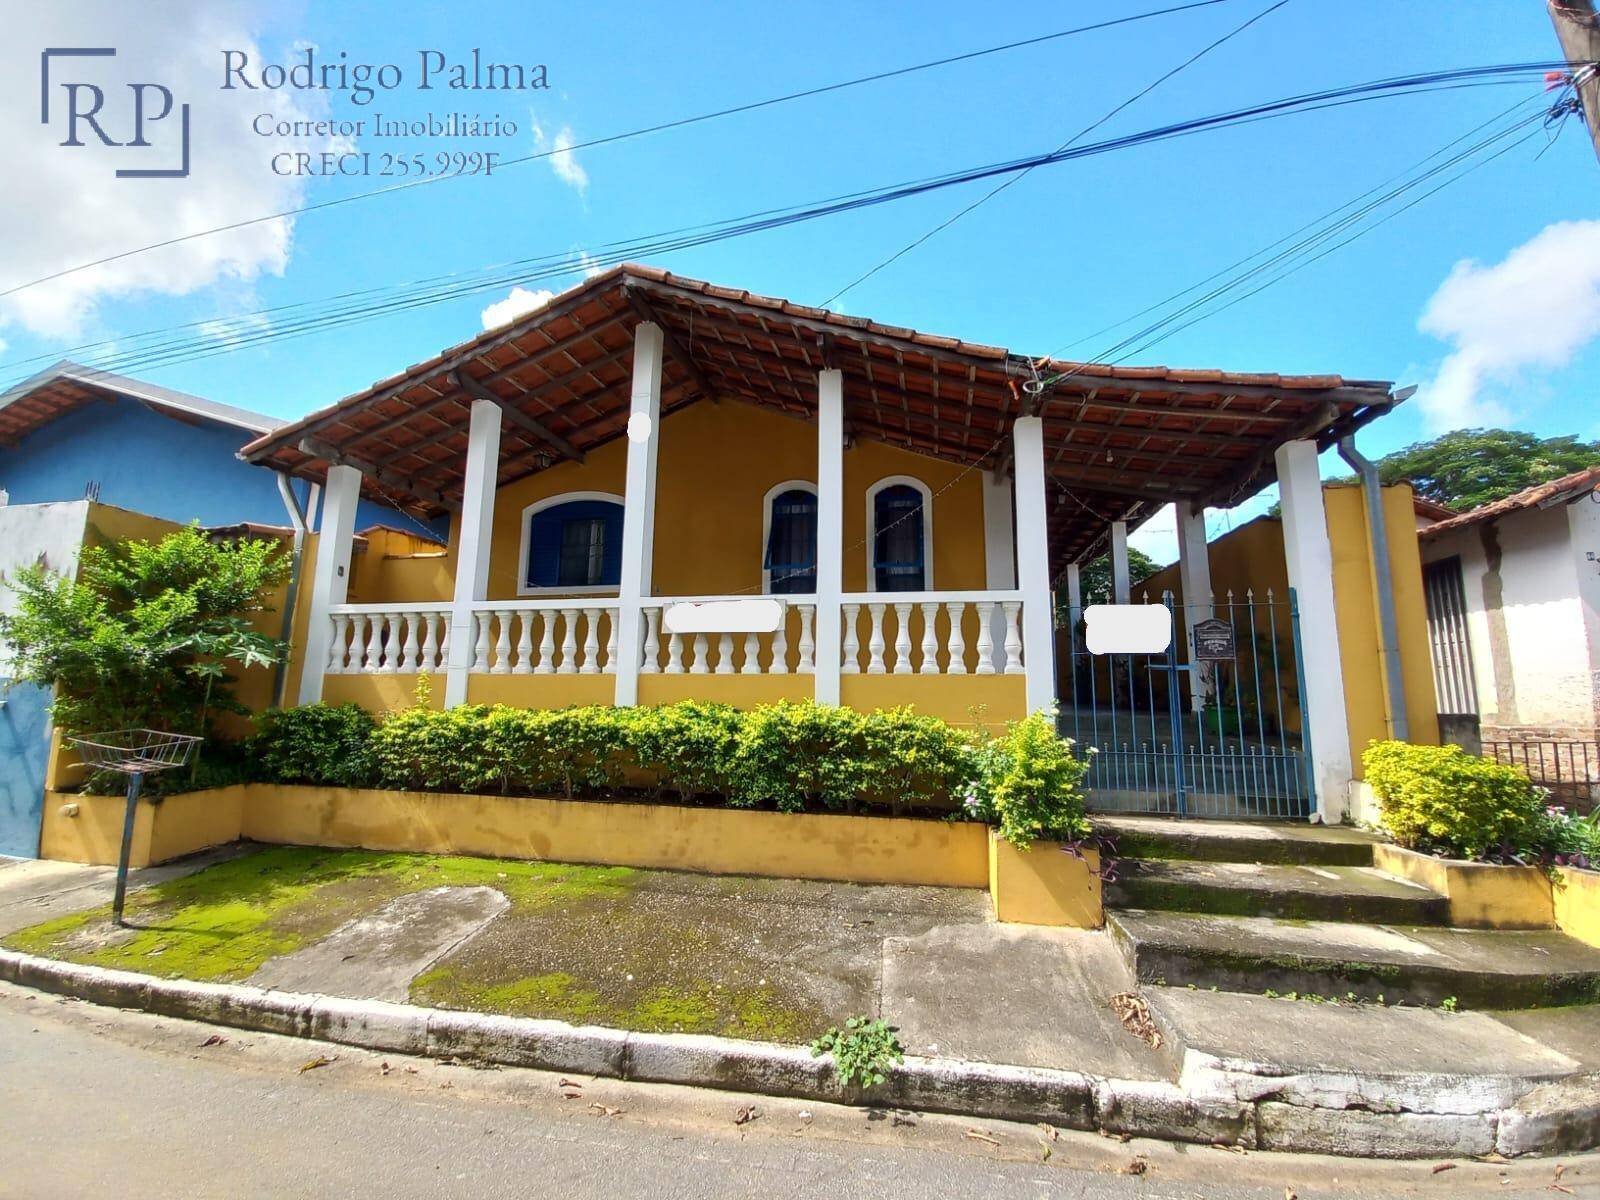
(73, 433)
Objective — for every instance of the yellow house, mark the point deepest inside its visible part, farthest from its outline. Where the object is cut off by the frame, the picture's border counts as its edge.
(662, 489)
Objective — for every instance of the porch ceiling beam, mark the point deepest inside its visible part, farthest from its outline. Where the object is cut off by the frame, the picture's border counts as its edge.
(783, 340)
(830, 328)
(1197, 437)
(1245, 479)
(321, 449)
(517, 417)
(1128, 489)
(673, 397)
(675, 349)
(1279, 415)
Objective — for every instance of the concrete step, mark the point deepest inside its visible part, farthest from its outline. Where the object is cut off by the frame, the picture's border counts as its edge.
(1400, 963)
(1290, 842)
(1300, 891)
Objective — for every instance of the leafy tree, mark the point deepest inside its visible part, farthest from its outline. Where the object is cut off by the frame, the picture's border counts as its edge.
(146, 633)
(1469, 467)
(1095, 579)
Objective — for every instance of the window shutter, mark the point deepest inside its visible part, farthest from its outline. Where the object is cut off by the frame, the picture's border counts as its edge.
(543, 568)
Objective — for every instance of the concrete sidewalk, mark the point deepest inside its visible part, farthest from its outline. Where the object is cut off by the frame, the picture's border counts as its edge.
(999, 1020)
(36, 889)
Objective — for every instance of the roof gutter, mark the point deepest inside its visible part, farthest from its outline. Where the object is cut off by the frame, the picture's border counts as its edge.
(1383, 577)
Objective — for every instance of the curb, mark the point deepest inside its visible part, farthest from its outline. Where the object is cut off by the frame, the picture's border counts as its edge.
(1252, 1113)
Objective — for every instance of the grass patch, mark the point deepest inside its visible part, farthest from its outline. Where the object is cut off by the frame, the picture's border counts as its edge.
(223, 922)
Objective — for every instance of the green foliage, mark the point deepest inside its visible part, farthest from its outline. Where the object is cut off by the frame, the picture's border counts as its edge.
(1469, 467)
(863, 1051)
(795, 756)
(1442, 800)
(1095, 580)
(436, 750)
(319, 743)
(146, 633)
(908, 758)
(791, 757)
(690, 747)
(1031, 784)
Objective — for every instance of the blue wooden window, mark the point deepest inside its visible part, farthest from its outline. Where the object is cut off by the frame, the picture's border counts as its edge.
(575, 544)
(791, 554)
(898, 553)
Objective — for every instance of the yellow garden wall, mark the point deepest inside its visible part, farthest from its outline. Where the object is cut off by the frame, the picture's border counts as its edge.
(1481, 895)
(88, 829)
(1045, 885)
(1576, 899)
(713, 840)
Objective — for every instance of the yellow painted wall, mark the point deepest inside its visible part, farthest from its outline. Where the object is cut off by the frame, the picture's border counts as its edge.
(713, 840)
(988, 701)
(1577, 903)
(741, 691)
(1481, 895)
(1044, 885)
(716, 463)
(88, 829)
(1356, 603)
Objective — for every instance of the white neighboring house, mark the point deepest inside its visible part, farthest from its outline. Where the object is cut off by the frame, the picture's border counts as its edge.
(1513, 596)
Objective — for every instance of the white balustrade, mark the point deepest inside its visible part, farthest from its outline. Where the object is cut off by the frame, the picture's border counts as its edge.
(372, 639)
(923, 633)
(730, 653)
(926, 633)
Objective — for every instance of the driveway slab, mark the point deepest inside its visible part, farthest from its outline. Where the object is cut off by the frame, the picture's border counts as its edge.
(375, 957)
(1022, 995)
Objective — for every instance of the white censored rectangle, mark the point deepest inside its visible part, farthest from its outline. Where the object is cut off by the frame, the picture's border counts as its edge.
(1127, 628)
(756, 615)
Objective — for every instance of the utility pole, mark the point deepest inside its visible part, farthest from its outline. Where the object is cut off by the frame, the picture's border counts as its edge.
(1578, 29)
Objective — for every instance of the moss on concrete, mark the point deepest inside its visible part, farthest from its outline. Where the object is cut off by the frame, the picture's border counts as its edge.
(225, 921)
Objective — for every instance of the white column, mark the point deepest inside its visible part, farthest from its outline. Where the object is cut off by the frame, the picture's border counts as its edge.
(1309, 558)
(1074, 582)
(1119, 562)
(472, 544)
(330, 579)
(999, 556)
(830, 531)
(1194, 578)
(639, 505)
(1033, 563)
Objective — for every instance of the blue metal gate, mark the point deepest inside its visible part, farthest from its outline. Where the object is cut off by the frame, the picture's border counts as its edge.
(1225, 737)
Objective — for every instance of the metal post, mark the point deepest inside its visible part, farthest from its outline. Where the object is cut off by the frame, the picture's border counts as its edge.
(135, 783)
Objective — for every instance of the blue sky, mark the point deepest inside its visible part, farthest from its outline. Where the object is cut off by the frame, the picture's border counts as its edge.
(1066, 251)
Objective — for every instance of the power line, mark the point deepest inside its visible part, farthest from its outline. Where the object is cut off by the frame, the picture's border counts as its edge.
(1082, 133)
(225, 337)
(661, 127)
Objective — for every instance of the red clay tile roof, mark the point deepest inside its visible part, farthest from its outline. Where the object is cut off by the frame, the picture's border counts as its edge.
(1120, 441)
(1540, 495)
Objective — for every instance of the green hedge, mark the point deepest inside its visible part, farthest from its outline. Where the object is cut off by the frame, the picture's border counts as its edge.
(791, 757)
(1442, 800)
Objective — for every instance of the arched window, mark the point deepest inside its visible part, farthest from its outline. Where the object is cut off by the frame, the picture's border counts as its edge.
(900, 512)
(789, 560)
(572, 543)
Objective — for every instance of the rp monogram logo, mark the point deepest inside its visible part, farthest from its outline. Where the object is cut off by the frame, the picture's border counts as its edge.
(87, 110)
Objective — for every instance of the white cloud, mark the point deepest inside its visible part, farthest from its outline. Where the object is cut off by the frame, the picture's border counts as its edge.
(590, 264)
(63, 206)
(563, 159)
(518, 303)
(1531, 312)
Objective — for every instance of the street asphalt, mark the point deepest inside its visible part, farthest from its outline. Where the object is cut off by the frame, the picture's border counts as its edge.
(99, 1102)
